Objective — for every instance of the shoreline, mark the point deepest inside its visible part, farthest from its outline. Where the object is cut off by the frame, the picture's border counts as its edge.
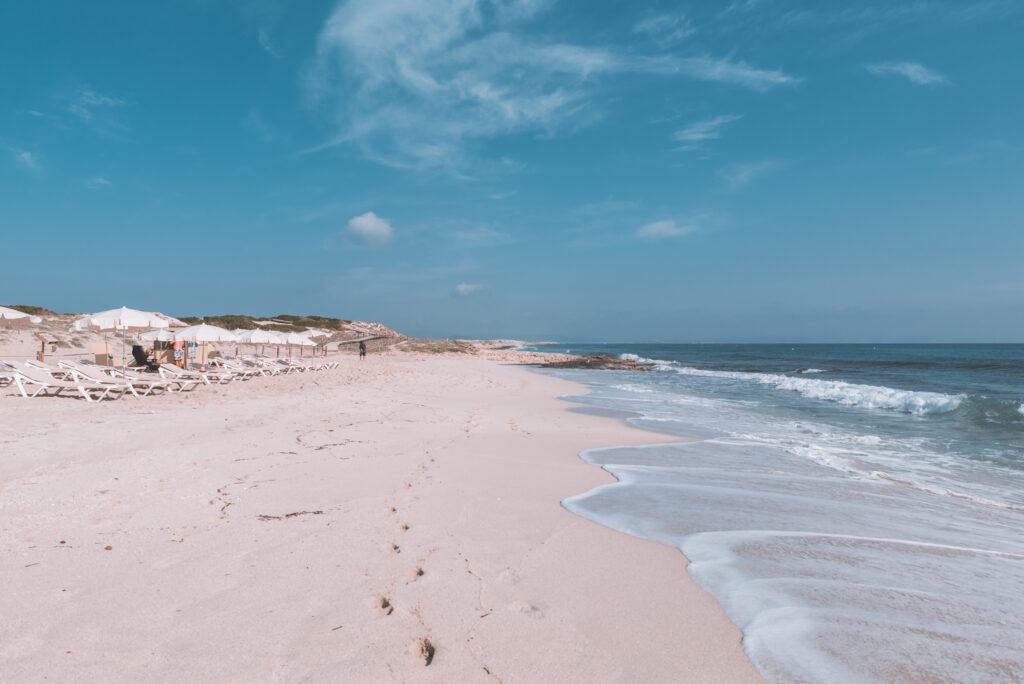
(455, 468)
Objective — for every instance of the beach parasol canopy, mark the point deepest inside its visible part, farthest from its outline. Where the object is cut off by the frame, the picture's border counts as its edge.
(299, 340)
(122, 320)
(205, 333)
(257, 337)
(12, 314)
(314, 332)
(157, 335)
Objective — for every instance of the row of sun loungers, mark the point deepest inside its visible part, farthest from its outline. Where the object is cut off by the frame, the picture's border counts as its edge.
(95, 383)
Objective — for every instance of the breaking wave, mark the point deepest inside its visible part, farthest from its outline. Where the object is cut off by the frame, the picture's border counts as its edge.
(838, 391)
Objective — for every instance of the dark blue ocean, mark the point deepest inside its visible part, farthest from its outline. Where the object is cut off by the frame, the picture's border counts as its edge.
(858, 510)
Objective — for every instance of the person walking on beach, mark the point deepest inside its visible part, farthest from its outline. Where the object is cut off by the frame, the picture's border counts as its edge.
(362, 350)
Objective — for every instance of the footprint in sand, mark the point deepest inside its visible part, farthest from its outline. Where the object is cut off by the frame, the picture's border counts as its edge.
(381, 605)
(421, 651)
(391, 547)
(413, 575)
(526, 609)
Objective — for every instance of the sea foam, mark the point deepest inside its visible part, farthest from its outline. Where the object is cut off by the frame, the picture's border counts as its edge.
(846, 393)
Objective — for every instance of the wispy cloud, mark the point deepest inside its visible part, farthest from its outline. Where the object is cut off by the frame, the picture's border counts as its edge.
(665, 29)
(96, 110)
(466, 289)
(370, 229)
(413, 84)
(739, 175)
(86, 102)
(265, 41)
(97, 182)
(27, 161)
(660, 230)
(915, 73)
(706, 129)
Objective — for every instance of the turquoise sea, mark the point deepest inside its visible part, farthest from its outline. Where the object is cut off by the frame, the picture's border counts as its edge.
(858, 510)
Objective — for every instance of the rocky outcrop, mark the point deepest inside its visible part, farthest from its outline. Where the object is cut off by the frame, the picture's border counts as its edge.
(598, 363)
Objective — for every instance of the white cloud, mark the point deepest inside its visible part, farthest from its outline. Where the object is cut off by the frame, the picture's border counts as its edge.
(915, 73)
(466, 289)
(739, 175)
(263, 36)
(706, 129)
(659, 230)
(97, 182)
(370, 229)
(86, 102)
(665, 28)
(27, 160)
(412, 84)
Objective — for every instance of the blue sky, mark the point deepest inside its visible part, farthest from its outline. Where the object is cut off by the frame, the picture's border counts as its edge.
(688, 171)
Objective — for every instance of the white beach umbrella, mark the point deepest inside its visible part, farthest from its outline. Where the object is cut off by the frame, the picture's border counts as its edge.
(298, 340)
(14, 314)
(276, 339)
(157, 336)
(204, 333)
(256, 336)
(122, 320)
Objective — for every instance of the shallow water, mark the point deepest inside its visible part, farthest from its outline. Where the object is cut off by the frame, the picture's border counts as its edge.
(856, 510)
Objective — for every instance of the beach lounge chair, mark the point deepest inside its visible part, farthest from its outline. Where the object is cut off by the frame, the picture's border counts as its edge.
(28, 377)
(56, 371)
(168, 370)
(268, 365)
(244, 372)
(6, 374)
(181, 383)
(267, 368)
(222, 375)
(97, 375)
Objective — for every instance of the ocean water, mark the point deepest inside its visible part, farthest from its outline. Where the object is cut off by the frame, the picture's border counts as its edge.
(858, 510)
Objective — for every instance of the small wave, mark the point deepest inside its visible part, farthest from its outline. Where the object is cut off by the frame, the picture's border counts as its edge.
(846, 393)
(808, 371)
(1020, 409)
(657, 363)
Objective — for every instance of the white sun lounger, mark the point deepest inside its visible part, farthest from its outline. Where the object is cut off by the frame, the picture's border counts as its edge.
(95, 375)
(169, 371)
(28, 377)
(6, 374)
(133, 376)
(245, 372)
(208, 377)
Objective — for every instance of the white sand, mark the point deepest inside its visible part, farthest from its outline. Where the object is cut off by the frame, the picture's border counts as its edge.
(455, 467)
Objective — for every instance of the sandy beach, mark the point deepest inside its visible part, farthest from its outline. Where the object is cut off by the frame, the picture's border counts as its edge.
(325, 526)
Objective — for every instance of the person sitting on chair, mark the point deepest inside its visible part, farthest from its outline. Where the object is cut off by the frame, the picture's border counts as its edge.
(140, 358)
